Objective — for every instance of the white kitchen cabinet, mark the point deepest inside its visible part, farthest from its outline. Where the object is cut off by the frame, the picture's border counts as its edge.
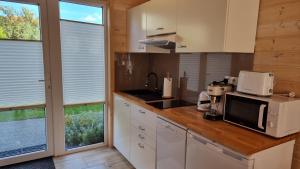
(143, 138)
(161, 17)
(206, 154)
(122, 117)
(216, 25)
(137, 31)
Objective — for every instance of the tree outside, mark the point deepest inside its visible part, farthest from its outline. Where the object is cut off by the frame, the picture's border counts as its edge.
(18, 24)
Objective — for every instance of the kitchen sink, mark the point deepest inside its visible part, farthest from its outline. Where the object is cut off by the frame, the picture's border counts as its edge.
(144, 94)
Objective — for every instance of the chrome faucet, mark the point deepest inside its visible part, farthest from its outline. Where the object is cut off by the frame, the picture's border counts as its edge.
(148, 83)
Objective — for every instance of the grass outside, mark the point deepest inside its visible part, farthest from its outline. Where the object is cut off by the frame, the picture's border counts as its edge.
(36, 113)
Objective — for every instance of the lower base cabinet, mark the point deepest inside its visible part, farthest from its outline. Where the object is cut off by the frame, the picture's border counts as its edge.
(205, 154)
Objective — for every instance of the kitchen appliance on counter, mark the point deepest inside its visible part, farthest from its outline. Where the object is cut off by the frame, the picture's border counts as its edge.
(255, 83)
(165, 104)
(215, 95)
(276, 116)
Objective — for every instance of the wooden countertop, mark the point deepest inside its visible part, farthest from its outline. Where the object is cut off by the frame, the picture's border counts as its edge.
(241, 140)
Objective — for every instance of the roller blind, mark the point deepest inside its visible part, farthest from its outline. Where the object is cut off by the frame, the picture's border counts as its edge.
(218, 66)
(190, 64)
(83, 62)
(21, 73)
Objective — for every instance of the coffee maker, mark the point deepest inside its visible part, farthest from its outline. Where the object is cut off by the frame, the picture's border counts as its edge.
(216, 95)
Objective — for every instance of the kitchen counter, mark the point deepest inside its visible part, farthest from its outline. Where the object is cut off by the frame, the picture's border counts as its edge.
(241, 140)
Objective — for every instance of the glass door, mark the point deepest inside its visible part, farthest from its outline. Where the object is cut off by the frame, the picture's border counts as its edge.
(82, 37)
(25, 105)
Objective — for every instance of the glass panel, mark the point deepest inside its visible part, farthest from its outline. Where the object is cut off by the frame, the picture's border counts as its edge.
(84, 125)
(19, 21)
(83, 68)
(83, 62)
(21, 74)
(80, 13)
(22, 131)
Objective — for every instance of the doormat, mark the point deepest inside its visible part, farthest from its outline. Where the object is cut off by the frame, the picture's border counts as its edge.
(44, 163)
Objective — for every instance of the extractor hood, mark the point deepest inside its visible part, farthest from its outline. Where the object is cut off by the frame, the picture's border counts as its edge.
(161, 41)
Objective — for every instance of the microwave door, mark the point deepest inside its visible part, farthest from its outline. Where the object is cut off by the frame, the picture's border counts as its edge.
(246, 112)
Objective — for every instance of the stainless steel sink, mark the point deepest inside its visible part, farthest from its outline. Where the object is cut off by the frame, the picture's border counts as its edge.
(144, 94)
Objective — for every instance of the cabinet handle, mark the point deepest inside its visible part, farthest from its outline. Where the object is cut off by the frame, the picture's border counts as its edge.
(141, 137)
(160, 28)
(141, 128)
(182, 46)
(141, 146)
(126, 104)
(142, 112)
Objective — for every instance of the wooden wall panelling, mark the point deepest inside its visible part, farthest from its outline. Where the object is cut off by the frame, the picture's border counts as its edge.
(278, 48)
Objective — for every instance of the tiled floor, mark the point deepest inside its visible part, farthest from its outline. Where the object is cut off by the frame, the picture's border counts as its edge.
(102, 158)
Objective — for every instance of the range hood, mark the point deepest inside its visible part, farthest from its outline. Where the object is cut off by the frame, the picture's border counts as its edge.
(161, 41)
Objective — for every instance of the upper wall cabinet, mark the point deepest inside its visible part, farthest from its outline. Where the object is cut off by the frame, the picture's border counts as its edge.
(161, 17)
(216, 25)
(137, 19)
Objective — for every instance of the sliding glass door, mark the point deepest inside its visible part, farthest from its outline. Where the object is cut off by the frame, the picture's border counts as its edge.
(25, 102)
(82, 37)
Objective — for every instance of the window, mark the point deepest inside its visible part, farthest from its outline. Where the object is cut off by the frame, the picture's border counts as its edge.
(22, 85)
(80, 13)
(83, 66)
(19, 21)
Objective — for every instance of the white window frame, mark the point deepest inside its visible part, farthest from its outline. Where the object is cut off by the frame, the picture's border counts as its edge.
(58, 106)
(48, 89)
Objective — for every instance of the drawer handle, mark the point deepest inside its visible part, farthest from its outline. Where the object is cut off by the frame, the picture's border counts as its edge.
(141, 137)
(142, 112)
(182, 46)
(160, 28)
(126, 104)
(141, 128)
(141, 146)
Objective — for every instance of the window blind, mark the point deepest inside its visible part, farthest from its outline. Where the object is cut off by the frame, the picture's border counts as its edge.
(83, 62)
(190, 64)
(218, 66)
(21, 74)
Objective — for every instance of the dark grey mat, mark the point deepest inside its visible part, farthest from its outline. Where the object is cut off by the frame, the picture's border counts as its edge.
(44, 163)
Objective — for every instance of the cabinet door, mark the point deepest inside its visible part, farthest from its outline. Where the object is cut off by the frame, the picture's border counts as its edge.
(161, 17)
(200, 25)
(201, 154)
(241, 26)
(137, 31)
(122, 113)
(136, 28)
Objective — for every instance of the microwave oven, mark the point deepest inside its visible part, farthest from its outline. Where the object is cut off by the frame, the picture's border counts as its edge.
(276, 116)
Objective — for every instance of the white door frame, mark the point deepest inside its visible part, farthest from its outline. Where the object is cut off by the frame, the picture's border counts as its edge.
(56, 76)
(49, 114)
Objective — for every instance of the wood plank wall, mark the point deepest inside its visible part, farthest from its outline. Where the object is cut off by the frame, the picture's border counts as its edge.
(277, 45)
(278, 48)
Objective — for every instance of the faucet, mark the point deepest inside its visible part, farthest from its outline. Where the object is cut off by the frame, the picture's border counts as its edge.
(148, 81)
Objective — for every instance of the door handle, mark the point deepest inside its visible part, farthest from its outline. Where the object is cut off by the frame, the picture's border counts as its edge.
(261, 116)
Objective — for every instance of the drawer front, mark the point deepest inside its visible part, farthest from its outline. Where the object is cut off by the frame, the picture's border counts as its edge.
(142, 137)
(144, 128)
(142, 156)
(144, 116)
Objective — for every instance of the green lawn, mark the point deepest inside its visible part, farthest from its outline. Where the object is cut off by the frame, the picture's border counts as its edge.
(17, 115)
